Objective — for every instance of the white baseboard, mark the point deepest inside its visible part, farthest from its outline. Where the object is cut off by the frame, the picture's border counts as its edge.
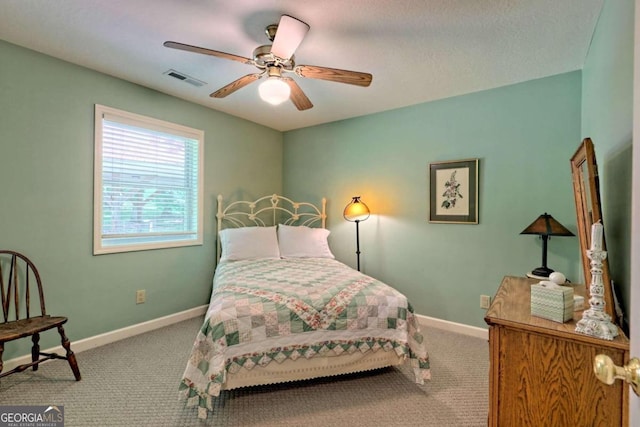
(113, 336)
(140, 328)
(459, 328)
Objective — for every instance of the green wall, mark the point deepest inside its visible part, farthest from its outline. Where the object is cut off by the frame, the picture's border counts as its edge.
(607, 118)
(46, 171)
(524, 136)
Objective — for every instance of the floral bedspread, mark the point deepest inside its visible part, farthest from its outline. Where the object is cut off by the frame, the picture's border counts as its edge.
(268, 311)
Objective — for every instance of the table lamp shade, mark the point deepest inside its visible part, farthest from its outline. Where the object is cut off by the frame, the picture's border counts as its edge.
(545, 224)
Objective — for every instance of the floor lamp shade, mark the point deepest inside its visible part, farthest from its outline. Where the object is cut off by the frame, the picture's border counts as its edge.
(356, 211)
(544, 226)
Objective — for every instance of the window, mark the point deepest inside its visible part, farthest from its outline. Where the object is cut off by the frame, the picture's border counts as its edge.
(147, 183)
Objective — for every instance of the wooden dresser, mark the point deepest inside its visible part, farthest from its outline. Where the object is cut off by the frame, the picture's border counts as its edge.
(541, 371)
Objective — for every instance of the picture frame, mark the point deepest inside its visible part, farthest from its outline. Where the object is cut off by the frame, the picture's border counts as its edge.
(453, 191)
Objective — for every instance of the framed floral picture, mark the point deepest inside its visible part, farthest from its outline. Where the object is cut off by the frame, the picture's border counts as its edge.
(453, 192)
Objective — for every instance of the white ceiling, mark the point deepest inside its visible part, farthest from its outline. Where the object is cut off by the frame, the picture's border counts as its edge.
(417, 50)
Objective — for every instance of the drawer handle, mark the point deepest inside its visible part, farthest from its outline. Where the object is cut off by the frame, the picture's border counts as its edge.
(607, 371)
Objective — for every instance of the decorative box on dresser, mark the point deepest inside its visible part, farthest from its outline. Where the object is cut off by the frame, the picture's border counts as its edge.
(541, 371)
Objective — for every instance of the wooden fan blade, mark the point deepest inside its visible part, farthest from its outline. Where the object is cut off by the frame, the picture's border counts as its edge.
(289, 35)
(204, 51)
(235, 85)
(297, 96)
(335, 75)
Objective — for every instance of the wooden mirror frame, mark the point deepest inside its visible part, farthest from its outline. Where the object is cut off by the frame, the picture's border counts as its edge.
(586, 190)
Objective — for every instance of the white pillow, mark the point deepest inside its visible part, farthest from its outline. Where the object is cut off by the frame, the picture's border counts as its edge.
(249, 243)
(303, 242)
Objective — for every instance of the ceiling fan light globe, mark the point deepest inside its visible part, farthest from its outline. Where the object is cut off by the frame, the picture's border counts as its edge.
(274, 91)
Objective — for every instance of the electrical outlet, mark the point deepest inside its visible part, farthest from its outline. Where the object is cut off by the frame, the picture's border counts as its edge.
(141, 296)
(485, 301)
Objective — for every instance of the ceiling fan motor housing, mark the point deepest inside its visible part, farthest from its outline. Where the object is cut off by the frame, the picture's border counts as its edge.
(263, 58)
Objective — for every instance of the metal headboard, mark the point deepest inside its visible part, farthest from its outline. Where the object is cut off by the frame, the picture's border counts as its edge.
(268, 211)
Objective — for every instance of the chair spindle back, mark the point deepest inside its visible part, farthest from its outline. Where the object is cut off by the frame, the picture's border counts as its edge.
(17, 277)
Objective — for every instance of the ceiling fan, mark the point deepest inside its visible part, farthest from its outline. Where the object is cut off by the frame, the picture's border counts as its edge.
(275, 61)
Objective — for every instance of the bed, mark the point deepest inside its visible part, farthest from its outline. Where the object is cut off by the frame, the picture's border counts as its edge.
(283, 309)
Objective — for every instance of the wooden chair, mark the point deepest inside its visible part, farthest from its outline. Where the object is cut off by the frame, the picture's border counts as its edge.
(17, 277)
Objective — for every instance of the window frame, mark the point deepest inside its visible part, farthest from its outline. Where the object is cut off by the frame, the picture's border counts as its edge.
(152, 124)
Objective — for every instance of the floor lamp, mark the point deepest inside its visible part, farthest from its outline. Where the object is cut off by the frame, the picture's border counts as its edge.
(356, 211)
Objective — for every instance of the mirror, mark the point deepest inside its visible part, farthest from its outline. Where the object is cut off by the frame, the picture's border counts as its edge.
(586, 190)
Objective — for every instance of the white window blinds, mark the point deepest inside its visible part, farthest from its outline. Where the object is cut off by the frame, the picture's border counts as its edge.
(148, 189)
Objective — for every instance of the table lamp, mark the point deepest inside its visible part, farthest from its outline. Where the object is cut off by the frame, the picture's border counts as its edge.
(544, 226)
(356, 211)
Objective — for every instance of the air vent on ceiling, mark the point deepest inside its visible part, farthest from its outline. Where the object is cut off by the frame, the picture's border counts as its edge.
(185, 78)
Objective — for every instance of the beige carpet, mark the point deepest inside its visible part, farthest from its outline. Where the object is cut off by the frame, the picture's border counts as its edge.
(134, 383)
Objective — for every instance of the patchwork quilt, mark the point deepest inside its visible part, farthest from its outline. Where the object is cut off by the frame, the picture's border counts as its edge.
(271, 310)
